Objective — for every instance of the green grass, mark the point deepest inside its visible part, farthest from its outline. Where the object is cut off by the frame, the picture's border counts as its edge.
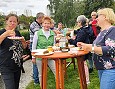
(71, 82)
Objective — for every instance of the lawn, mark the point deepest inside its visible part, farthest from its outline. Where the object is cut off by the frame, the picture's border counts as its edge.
(71, 82)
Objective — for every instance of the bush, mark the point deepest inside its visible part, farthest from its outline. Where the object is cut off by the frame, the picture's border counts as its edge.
(25, 33)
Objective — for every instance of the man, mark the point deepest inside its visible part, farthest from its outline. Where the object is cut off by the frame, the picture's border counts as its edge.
(35, 26)
(59, 29)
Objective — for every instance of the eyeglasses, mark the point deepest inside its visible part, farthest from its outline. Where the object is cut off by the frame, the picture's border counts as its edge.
(78, 22)
(100, 14)
(93, 15)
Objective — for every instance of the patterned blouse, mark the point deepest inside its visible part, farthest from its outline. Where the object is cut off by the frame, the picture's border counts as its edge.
(105, 39)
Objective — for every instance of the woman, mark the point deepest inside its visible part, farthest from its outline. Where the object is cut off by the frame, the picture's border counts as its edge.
(81, 35)
(11, 52)
(42, 39)
(103, 48)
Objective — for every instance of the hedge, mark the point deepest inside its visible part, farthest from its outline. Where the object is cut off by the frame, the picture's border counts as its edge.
(25, 33)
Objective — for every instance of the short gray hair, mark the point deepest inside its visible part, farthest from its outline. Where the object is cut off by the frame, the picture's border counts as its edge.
(82, 19)
(40, 14)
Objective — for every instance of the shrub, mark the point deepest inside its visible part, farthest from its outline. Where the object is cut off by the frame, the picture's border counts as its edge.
(25, 33)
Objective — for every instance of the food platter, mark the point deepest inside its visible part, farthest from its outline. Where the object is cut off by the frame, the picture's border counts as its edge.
(15, 38)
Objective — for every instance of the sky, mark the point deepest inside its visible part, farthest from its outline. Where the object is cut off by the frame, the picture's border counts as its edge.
(35, 6)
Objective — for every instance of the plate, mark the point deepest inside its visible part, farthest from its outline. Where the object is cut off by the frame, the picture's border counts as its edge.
(15, 38)
(41, 53)
(71, 46)
(39, 50)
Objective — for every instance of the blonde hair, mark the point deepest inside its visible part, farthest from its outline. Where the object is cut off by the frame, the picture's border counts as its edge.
(109, 14)
(93, 13)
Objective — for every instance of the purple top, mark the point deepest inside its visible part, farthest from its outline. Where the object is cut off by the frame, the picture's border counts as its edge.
(105, 39)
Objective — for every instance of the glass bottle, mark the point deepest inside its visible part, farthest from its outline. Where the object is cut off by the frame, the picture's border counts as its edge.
(63, 44)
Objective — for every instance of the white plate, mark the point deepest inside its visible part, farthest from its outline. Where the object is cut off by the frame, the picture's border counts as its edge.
(39, 50)
(73, 52)
(15, 38)
(71, 46)
(41, 53)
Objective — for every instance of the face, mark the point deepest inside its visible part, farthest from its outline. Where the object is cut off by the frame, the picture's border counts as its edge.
(79, 24)
(39, 20)
(60, 26)
(52, 25)
(46, 25)
(12, 22)
(101, 18)
(93, 15)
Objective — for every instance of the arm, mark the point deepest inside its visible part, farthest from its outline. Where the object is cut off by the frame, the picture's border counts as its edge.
(107, 45)
(35, 40)
(80, 37)
(90, 48)
(2, 37)
(24, 44)
(34, 45)
(5, 34)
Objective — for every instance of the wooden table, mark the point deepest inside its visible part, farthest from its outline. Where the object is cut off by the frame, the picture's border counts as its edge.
(59, 57)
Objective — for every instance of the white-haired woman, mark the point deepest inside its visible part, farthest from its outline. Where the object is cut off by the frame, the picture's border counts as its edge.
(103, 48)
(81, 36)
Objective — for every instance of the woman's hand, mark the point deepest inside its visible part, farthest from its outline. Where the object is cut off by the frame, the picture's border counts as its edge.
(23, 42)
(33, 60)
(6, 34)
(86, 47)
(9, 33)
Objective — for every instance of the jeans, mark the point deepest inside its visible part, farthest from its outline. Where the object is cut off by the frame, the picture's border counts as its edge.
(11, 77)
(35, 69)
(107, 79)
(90, 63)
(35, 73)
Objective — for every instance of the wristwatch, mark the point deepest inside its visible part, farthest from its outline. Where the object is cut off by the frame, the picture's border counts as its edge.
(92, 51)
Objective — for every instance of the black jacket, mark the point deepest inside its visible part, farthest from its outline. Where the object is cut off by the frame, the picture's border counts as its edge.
(81, 36)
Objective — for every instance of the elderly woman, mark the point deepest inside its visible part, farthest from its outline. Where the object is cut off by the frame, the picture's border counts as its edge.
(81, 36)
(103, 48)
(82, 32)
(42, 39)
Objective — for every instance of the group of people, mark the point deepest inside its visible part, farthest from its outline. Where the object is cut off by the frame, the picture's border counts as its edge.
(42, 35)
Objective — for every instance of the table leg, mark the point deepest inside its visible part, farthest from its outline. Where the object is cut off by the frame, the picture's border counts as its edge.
(61, 73)
(44, 74)
(81, 71)
(57, 74)
(64, 68)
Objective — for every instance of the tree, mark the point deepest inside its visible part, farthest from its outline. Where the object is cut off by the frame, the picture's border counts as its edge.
(65, 11)
(94, 5)
(26, 20)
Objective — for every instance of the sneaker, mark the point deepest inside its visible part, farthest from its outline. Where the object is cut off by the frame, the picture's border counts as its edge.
(88, 82)
(36, 83)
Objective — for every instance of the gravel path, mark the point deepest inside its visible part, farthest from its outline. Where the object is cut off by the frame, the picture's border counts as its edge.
(26, 77)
